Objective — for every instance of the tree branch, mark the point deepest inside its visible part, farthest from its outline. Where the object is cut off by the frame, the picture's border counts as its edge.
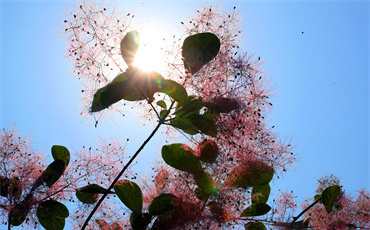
(120, 174)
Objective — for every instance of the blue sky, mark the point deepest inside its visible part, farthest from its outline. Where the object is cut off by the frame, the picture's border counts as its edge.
(316, 53)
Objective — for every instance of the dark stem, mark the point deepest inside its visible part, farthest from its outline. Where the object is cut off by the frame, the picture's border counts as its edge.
(300, 214)
(9, 226)
(161, 121)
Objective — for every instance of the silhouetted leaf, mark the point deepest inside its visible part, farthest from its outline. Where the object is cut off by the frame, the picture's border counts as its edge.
(87, 198)
(53, 172)
(142, 84)
(162, 204)
(204, 124)
(257, 209)
(208, 151)
(222, 104)
(139, 221)
(204, 182)
(51, 214)
(255, 226)
(260, 194)
(60, 152)
(193, 105)
(180, 158)
(130, 194)
(93, 188)
(329, 196)
(317, 196)
(185, 125)
(198, 50)
(19, 216)
(253, 173)
(129, 46)
(111, 93)
(175, 90)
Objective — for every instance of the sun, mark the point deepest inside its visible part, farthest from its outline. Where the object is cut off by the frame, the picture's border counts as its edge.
(150, 54)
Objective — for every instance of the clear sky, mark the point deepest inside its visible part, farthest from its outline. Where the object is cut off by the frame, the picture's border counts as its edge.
(316, 53)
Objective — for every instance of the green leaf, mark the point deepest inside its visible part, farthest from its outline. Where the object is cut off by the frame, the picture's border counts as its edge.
(193, 105)
(253, 173)
(139, 221)
(176, 156)
(260, 194)
(175, 90)
(185, 125)
(255, 226)
(130, 194)
(329, 196)
(205, 182)
(129, 46)
(60, 152)
(52, 214)
(18, 216)
(198, 50)
(163, 113)
(258, 209)
(222, 104)
(94, 188)
(162, 104)
(208, 151)
(87, 198)
(142, 84)
(111, 93)
(204, 124)
(162, 204)
(53, 172)
(89, 193)
(103, 225)
(317, 196)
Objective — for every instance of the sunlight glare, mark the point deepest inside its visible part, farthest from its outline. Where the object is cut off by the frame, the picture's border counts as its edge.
(149, 56)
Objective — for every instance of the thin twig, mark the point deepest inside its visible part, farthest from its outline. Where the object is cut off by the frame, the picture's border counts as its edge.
(121, 173)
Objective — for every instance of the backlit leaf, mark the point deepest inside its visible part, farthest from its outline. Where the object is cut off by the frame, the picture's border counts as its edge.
(53, 172)
(257, 209)
(329, 196)
(162, 204)
(51, 214)
(130, 194)
(204, 124)
(253, 173)
(208, 151)
(176, 156)
(129, 46)
(175, 90)
(60, 152)
(260, 194)
(255, 226)
(139, 221)
(198, 50)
